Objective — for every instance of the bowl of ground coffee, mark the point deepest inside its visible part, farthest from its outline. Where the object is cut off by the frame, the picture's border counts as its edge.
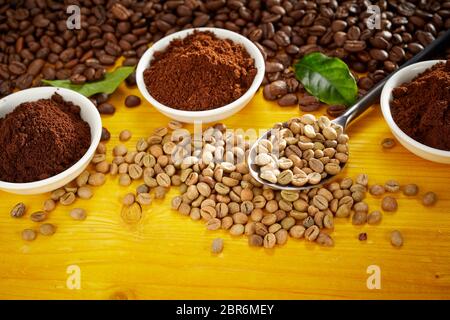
(202, 74)
(48, 136)
(416, 105)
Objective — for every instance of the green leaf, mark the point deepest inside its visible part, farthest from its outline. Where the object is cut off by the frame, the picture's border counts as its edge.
(107, 85)
(328, 79)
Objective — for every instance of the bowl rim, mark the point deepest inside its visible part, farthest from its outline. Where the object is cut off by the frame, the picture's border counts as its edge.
(95, 136)
(255, 53)
(385, 99)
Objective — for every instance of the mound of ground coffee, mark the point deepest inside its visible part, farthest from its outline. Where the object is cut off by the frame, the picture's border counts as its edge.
(200, 72)
(421, 108)
(40, 139)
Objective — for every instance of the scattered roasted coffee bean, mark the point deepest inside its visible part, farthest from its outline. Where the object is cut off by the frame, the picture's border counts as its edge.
(396, 238)
(18, 210)
(106, 135)
(429, 199)
(106, 108)
(362, 236)
(335, 111)
(410, 190)
(132, 101)
(389, 204)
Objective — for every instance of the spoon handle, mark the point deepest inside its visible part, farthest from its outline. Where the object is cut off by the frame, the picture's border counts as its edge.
(371, 97)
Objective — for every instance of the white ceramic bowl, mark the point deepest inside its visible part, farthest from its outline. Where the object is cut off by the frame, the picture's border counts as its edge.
(400, 77)
(89, 114)
(208, 115)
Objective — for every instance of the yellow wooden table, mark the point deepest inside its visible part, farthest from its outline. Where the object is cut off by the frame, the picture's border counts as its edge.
(167, 256)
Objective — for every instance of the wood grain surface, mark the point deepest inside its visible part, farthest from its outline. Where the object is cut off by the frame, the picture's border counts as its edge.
(167, 256)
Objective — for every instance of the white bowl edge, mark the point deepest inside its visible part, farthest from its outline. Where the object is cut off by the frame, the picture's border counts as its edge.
(420, 149)
(207, 115)
(88, 112)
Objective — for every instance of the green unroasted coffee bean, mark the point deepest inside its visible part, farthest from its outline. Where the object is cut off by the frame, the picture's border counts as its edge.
(96, 179)
(255, 240)
(410, 190)
(125, 135)
(49, 205)
(374, 217)
(28, 235)
(282, 236)
(38, 216)
(359, 218)
(297, 231)
(18, 210)
(144, 199)
(312, 233)
(213, 224)
(376, 190)
(269, 241)
(325, 240)
(396, 239)
(429, 199)
(47, 229)
(67, 199)
(135, 171)
(78, 214)
(389, 204)
(85, 192)
(163, 180)
(128, 199)
(217, 246)
(124, 180)
(392, 186)
(237, 230)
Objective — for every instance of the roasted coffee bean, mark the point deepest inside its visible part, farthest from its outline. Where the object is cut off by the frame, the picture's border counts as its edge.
(132, 101)
(106, 135)
(336, 110)
(289, 99)
(106, 108)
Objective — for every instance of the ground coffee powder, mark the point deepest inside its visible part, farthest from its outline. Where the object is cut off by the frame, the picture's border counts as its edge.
(40, 139)
(200, 72)
(421, 108)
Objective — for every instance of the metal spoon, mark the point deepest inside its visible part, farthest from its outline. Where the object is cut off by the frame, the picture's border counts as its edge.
(352, 113)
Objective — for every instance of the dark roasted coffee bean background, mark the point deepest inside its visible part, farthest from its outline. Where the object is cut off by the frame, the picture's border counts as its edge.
(35, 43)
